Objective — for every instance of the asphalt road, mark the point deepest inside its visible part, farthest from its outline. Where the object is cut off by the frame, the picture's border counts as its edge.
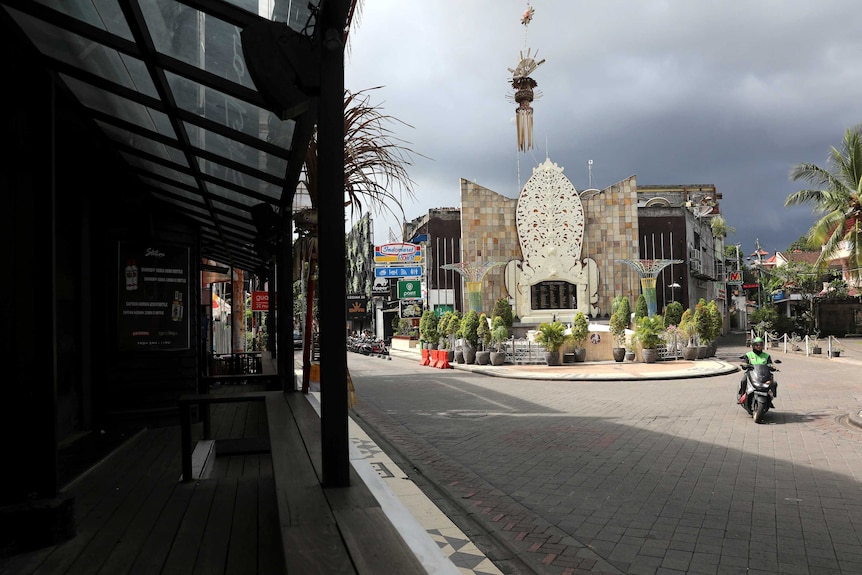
(636, 477)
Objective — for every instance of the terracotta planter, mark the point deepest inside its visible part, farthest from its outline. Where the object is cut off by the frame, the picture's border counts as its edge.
(580, 354)
(619, 354)
(552, 357)
(630, 356)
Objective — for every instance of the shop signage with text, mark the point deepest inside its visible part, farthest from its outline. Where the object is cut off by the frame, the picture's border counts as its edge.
(410, 289)
(260, 301)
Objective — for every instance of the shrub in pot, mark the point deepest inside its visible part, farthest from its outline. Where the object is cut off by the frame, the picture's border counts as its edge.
(428, 328)
(469, 330)
(552, 335)
(483, 330)
(618, 327)
(648, 333)
(703, 325)
(580, 333)
(503, 309)
(499, 335)
(641, 307)
(715, 323)
(673, 313)
(689, 332)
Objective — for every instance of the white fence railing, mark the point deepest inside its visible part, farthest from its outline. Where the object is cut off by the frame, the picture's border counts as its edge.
(523, 352)
(793, 343)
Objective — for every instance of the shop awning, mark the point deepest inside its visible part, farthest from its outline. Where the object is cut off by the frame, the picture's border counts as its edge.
(166, 81)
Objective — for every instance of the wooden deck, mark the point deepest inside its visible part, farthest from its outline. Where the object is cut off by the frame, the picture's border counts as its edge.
(134, 514)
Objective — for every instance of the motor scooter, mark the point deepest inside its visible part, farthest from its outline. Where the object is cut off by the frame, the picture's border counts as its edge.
(760, 389)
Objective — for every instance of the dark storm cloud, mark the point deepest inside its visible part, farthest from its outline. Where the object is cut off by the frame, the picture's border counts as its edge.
(729, 93)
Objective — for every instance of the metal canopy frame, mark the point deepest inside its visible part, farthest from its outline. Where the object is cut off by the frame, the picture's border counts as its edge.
(167, 84)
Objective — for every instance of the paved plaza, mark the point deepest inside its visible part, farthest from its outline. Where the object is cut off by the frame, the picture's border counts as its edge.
(642, 475)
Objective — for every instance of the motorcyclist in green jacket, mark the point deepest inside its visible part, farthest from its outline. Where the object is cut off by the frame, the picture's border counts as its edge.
(756, 357)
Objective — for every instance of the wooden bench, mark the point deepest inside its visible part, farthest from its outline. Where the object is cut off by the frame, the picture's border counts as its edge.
(262, 378)
(203, 401)
(323, 530)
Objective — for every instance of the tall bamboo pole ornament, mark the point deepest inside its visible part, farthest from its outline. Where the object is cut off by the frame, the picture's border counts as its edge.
(525, 87)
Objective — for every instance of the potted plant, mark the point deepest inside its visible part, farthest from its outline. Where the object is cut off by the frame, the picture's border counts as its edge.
(580, 333)
(703, 326)
(673, 313)
(459, 343)
(483, 330)
(622, 309)
(812, 341)
(552, 335)
(452, 329)
(641, 307)
(834, 347)
(469, 327)
(442, 331)
(503, 309)
(715, 323)
(630, 348)
(499, 335)
(648, 332)
(618, 326)
(621, 304)
(428, 329)
(673, 338)
(689, 332)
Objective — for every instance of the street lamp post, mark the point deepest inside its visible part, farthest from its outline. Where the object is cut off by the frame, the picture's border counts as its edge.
(673, 287)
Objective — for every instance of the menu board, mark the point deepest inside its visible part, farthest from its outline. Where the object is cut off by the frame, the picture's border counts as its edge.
(153, 291)
(553, 295)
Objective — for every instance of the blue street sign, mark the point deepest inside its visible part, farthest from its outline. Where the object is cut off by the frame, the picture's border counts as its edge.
(398, 272)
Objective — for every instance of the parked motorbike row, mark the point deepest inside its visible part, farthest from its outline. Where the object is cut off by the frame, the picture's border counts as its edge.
(760, 389)
(367, 345)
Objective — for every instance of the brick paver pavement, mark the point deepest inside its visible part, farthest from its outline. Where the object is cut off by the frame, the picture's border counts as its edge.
(640, 477)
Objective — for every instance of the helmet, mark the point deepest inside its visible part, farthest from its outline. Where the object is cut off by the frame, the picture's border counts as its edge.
(758, 341)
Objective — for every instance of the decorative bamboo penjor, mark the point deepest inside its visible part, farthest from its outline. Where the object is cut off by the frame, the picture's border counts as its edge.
(648, 270)
(524, 87)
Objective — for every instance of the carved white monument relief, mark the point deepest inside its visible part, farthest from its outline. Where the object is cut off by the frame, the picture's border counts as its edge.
(552, 280)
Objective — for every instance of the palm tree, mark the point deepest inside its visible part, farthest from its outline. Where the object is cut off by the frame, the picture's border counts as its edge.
(837, 197)
(375, 161)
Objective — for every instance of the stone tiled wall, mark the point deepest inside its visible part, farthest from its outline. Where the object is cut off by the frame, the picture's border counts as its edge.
(612, 234)
(489, 233)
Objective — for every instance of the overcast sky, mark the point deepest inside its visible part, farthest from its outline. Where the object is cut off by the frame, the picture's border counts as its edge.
(675, 92)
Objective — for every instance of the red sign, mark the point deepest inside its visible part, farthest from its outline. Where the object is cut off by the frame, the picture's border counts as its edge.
(749, 286)
(260, 301)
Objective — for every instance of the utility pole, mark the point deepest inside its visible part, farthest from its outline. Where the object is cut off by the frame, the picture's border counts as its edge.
(759, 255)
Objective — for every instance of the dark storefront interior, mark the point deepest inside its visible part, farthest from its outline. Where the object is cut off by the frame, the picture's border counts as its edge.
(134, 128)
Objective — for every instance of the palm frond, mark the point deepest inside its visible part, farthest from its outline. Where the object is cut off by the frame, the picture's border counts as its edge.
(375, 159)
(835, 196)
